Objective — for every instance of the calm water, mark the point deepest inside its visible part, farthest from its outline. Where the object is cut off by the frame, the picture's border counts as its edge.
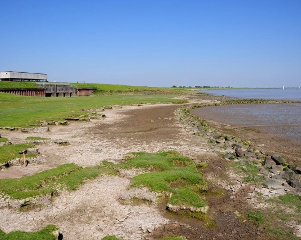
(286, 94)
(283, 119)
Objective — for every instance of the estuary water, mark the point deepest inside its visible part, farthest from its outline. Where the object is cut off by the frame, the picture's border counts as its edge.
(283, 94)
(277, 124)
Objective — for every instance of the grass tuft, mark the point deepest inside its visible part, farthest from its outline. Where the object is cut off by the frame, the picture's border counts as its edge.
(45, 234)
(11, 152)
(68, 176)
(170, 172)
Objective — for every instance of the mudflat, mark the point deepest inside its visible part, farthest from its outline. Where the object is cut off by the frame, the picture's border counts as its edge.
(96, 209)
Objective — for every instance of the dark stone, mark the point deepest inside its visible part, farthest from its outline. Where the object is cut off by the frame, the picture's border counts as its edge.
(268, 162)
(60, 236)
(200, 127)
(292, 179)
(278, 160)
(239, 152)
(297, 170)
(235, 145)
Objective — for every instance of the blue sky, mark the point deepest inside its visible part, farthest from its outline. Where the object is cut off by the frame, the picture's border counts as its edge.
(254, 43)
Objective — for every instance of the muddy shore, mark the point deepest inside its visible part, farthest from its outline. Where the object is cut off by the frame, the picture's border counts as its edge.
(95, 210)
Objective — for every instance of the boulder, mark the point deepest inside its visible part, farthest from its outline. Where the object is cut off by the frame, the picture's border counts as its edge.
(278, 160)
(268, 162)
(293, 179)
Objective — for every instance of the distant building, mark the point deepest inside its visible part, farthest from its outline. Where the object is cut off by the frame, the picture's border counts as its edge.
(23, 76)
(58, 89)
(45, 88)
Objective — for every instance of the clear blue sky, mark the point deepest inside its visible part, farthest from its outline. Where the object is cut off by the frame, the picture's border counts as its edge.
(255, 43)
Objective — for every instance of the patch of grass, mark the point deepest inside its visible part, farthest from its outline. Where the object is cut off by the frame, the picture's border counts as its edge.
(256, 217)
(157, 161)
(45, 234)
(36, 138)
(186, 197)
(20, 111)
(2, 139)
(112, 88)
(170, 172)
(281, 233)
(18, 85)
(250, 170)
(10, 152)
(68, 176)
(292, 201)
(111, 238)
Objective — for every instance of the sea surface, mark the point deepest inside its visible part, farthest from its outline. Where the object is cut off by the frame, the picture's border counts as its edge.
(283, 94)
(281, 119)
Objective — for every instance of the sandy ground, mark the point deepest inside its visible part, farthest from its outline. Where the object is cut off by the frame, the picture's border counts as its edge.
(95, 210)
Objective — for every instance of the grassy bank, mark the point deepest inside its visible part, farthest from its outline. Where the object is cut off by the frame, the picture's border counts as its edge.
(112, 88)
(19, 111)
(17, 85)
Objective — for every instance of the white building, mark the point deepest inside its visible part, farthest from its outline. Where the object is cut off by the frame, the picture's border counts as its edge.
(22, 76)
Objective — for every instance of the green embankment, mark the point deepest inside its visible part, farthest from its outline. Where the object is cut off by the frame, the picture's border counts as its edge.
(17, 85)
(112, 88)
(20, 111)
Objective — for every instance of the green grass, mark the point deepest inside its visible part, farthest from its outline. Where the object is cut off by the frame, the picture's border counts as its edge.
(170, 172)
(111, 238)
(256, 217)
(36, 138)
(112, 88)
(68, 176)
(10, 152)
(20, 111)
(250, 170)
(292, 201)
(45, 234)
(2, 139)
(19, 85)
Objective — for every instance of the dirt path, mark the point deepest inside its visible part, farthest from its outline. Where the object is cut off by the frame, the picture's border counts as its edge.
(95, 210)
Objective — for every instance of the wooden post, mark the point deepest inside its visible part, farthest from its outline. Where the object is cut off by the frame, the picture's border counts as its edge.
(24, 159)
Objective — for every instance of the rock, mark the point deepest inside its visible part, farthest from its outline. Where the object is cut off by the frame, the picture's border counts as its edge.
(278, 160)
(297, 170)
(235, 145)
(276, 169)
(275, 184)
(32, 151)
(239, 152)
(268, 162)
(61, 142)
(293, 179)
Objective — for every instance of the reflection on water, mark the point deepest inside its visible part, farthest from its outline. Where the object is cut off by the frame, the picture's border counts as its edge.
(283, 119)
